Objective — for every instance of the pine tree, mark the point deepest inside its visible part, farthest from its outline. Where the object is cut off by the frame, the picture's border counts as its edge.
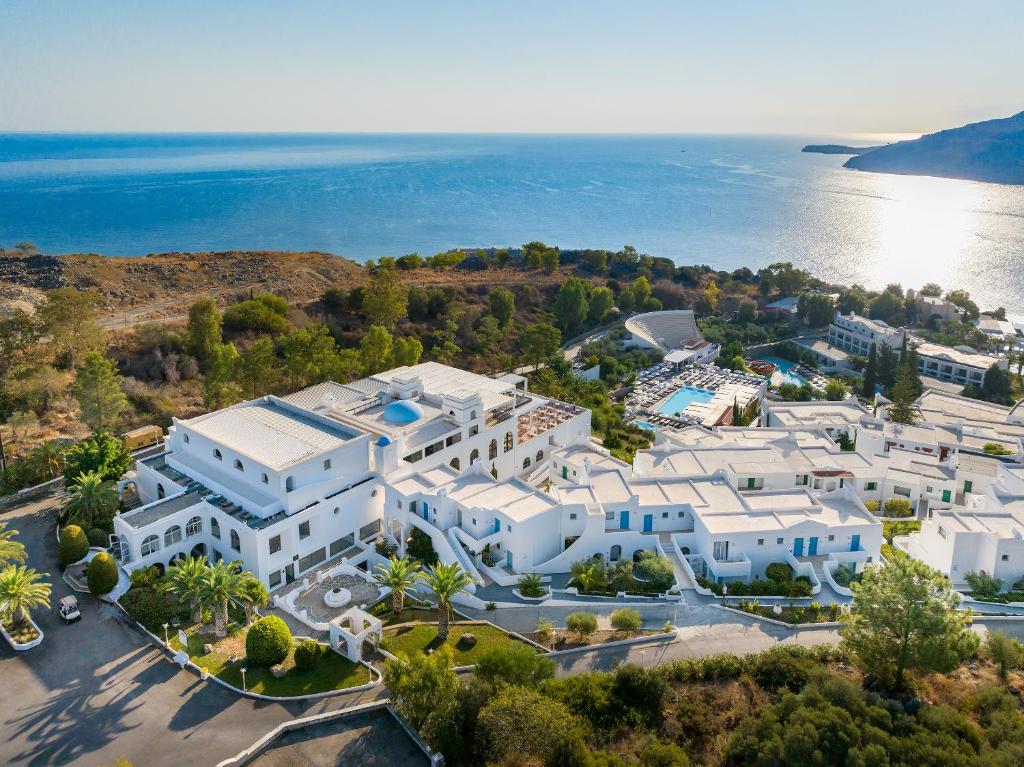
(903, 395)
(97, 388)
(887, 364)
(871, 374)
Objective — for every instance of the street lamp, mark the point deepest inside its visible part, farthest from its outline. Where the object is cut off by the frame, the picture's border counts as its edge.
(166, 640)
(244, 688)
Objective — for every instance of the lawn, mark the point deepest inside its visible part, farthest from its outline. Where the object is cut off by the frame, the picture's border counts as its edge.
(334, 672)
(423, 637)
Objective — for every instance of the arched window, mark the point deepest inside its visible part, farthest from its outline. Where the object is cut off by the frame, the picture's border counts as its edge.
(474, 456)
(265, 478)
(540, 456)
(289, 484)
(238, 465)
(215, 528)
(160, 492)
(217, 455)
(236, 544)
(172, 536)
(492, 450)
(508, 441)
(193, 527)
(526, 462)
(616, 553)
(454, 463)
(150, 545)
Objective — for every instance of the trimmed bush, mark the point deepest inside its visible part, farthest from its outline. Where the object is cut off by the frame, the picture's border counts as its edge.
(779, 668)
(581, 623)
(779, 571)
(268, 641)
(307, 654)
(73, 545)
(101, 574)
(98, 538)
(626, 619)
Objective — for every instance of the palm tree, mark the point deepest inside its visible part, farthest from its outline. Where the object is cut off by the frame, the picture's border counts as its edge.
(49, 456)
(399, 575)
(185, 580)
(446, 582)
(221, 582)
(21, 592)
(254, 594)
(92, 501)
(11, 551)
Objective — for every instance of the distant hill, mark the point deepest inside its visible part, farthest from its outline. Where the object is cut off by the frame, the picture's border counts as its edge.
(992, 150)
(837, 149)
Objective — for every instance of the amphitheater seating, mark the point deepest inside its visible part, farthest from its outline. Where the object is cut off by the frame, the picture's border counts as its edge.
(664, 330)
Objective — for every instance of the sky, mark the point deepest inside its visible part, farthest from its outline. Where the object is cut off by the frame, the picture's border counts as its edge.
(721, 66)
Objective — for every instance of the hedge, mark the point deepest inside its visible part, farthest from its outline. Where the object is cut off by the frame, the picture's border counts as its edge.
(268, 641)
(308, 655)
(101, 574)
(73, 545)
(153, 608)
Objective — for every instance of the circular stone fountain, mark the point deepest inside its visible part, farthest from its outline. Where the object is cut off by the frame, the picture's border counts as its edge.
(337, 597)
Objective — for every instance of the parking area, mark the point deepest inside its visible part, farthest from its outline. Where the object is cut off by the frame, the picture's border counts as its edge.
(97, 689)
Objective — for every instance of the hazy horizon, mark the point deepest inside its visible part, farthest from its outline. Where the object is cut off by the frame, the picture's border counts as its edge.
(793, 67)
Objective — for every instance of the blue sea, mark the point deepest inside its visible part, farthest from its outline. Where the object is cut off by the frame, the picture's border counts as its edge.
(727, 201)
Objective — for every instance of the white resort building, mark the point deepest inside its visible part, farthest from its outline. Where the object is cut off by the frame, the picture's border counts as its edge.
(506, 482)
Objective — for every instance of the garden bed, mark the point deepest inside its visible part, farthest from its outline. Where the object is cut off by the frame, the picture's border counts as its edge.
(333, 673)
(566, 640)
(792, 615)
(422, 637)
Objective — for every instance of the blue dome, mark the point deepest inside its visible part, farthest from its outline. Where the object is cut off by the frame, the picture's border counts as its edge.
(383, 442)
(402, 412)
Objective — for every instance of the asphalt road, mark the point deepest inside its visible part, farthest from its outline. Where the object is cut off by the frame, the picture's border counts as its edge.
(98, 689)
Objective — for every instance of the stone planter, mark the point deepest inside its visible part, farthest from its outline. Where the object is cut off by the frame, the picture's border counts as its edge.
(338, 597)
(22, 646)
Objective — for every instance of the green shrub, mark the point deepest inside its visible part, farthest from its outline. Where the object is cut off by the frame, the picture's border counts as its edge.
(421, 548)
(656, 571)
(531, 585)
(307, 654)
(872, 506)
(781, 668)
(844, 575)
(897, 507)
(101, 574)
(640, 694)
(144, 576)
(268, 641)
(983, 585)
(73, 545)
(98, 538)
(626, 619)
(581, 623)
(153, 608)
(779, 571)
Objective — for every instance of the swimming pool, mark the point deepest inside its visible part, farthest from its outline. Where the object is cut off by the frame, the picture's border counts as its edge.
(785, 369)
(684, 397)
(645, 425)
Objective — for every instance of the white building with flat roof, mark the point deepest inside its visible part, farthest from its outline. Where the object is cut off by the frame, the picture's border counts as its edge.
(285, 483)
(855, 334)
(960, 365)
